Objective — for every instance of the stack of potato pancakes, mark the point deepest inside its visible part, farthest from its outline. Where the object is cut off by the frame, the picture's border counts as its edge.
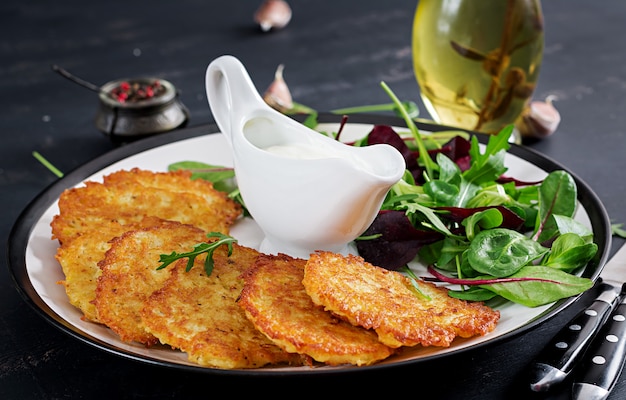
(254, 309)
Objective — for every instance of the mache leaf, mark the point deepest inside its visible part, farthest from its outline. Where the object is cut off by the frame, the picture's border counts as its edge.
(502, 252)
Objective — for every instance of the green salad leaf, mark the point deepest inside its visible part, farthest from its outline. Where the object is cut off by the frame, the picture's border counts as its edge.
(492, 238)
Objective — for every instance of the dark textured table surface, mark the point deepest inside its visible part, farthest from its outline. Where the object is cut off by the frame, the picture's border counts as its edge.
(335, 54)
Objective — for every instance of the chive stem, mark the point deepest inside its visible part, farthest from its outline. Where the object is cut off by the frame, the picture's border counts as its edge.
(47, 164)
(364, 109)
(429, 164)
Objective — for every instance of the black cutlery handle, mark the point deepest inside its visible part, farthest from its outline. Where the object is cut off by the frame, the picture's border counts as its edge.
(562, 353)
(604, 360)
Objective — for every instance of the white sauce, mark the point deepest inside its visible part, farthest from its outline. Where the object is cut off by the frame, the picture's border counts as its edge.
(305, 151)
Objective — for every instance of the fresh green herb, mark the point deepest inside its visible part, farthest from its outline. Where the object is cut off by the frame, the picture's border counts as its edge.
(531, 286)
(557, 196)
(222, 178)
(424, 157)
(200, 248)
(300, 109)
(502, 252)
(47, 164)
(489, 260)
(617, 230)
(518, 243)
(311, 120)
(414, 282)
(407, 106)
(479, 251)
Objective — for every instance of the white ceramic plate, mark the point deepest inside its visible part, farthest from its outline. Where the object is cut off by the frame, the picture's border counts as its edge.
(36, 272)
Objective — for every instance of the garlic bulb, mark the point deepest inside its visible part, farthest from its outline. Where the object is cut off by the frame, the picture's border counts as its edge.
(277, 94)
(539, 119)
(273, 14)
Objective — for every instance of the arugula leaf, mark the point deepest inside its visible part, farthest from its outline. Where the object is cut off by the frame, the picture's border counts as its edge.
(433, 221)
(444, 190)
(200, 248)
(451, 250)
(456, 211)
(489, 166)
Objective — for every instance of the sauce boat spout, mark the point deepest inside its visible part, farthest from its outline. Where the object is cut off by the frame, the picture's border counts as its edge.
(305, 190)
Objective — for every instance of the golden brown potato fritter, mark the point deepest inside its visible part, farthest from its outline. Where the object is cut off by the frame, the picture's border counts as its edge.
(276, 302)
(387, 301)
(127, 196)
(254, 309)
(79, 260)
(129, 275)
(199, 315)
(93, 214)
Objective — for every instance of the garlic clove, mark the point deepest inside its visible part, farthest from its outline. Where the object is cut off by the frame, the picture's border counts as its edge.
(273, 14)
(277, 94)
(539, 119)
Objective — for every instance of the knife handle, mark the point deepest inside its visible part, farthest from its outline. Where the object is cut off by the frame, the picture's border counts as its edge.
(566, 348)
(604, 360)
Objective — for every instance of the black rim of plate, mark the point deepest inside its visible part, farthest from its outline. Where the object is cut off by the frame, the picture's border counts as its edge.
(21, 230)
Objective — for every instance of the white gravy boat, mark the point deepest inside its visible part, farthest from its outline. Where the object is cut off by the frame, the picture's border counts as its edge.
(305, 190)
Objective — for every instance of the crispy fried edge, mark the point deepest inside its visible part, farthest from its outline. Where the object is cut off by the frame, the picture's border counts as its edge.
(289, 333)
(138, 332)
(396, 323)
(210, 348)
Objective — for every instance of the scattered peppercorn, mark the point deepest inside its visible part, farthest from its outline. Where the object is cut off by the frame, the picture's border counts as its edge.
(133, 92)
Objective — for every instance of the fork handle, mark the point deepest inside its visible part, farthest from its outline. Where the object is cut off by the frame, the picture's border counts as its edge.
(566, 348)
(604, 360)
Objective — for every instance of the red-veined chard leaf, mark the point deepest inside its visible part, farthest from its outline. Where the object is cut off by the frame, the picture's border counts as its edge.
(540, 285)
(557, 196)
(510, 219)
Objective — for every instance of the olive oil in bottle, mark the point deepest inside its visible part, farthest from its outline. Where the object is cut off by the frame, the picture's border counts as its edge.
(477, 61)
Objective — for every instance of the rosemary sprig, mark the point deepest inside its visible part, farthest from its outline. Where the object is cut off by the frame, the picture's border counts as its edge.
(200, 248)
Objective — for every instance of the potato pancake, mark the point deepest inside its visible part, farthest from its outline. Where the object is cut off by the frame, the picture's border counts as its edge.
(129, 275)
(199, 315)
(387, 301)
(274, 299)
(96, 213)
(79, 260)
(175, 181)
(127, 196)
